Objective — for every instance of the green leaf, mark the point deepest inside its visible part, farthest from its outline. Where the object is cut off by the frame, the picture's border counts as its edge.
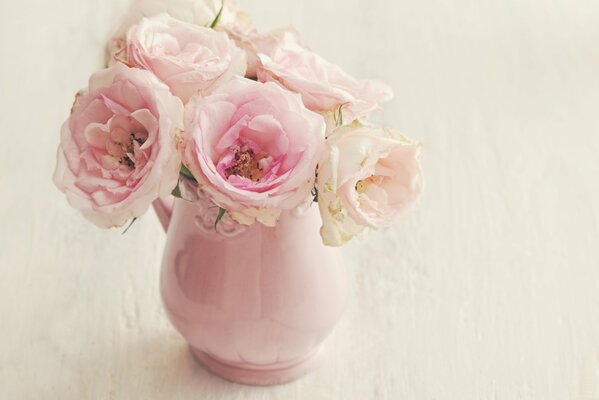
(129, 226)
(177, 192)
(220, 13)
(221, 214)
(186, 172)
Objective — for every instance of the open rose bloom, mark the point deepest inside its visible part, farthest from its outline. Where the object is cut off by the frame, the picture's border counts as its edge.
(195, 96)
(118, 148)
(367, 179)
(254, 147)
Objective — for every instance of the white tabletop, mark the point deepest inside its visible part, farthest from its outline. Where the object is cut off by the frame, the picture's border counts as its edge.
(489, 290)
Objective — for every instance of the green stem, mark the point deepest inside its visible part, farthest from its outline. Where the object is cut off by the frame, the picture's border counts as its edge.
(220, 13)
(129, 226)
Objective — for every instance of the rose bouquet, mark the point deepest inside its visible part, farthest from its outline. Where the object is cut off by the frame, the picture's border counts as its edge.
(194, 96)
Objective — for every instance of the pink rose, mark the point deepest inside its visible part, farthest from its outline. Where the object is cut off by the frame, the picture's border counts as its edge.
(324, 86)
(253, 148)
(367, 178)
(118, 150)
(198, 12)
(190, 59)
(255, 43)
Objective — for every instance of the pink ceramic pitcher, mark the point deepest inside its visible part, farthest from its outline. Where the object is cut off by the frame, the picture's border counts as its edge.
(254, 303)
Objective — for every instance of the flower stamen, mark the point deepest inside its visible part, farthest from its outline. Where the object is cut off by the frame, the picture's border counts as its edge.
(128, 148)
(246, 164)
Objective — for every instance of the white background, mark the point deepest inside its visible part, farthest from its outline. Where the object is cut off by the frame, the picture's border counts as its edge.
(489, 290)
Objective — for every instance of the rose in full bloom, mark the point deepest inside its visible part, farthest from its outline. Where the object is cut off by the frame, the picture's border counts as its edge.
(118, 148)
(324, 86)
(367, 178)
(190, 59)
(198, 12)
(253, 148)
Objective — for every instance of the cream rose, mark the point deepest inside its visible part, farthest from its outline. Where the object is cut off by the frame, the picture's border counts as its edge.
(197, 12)
(190, 59)
(367, 178)
(118, 148)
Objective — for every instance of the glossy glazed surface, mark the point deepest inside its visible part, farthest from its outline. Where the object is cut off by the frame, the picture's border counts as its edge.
(260, 300)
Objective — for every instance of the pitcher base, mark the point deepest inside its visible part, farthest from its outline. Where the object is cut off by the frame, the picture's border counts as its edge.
(248, 374)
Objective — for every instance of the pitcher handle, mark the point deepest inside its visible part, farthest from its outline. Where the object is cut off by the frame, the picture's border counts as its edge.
(163, 207)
